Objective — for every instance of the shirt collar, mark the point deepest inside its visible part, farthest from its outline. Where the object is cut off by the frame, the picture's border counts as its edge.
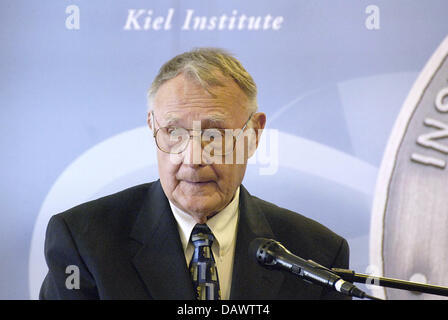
(223, 224)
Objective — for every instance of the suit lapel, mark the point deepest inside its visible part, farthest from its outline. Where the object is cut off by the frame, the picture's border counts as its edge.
(161, 261)
(250, 280)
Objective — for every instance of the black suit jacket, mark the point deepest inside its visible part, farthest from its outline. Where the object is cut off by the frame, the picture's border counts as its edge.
(127, 246)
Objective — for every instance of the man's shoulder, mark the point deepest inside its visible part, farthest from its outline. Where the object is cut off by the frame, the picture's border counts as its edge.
(282, 217)
(299, 233)
(117, 209)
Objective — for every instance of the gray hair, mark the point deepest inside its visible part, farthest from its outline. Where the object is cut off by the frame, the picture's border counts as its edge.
(201, 64)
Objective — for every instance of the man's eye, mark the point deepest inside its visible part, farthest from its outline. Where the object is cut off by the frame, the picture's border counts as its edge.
(213, 133)
(174, 131)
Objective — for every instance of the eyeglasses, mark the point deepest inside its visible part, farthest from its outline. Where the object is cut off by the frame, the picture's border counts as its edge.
(218, 142)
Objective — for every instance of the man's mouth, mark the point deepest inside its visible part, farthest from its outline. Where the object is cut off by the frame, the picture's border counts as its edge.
(198, 182)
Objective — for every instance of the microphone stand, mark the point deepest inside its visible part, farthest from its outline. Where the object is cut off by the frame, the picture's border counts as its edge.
(351, 276)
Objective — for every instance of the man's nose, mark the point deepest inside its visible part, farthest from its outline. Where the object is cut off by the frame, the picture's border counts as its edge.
(192, 154)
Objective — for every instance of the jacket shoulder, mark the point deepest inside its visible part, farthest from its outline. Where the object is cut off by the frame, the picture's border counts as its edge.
(304, 236)
(115, 211)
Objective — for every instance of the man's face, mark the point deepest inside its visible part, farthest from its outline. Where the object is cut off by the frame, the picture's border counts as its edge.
(200, 189)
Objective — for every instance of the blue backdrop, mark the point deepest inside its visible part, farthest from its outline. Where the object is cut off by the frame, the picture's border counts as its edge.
(332, 77)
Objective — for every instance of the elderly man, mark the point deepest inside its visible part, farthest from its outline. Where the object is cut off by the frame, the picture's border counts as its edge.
(186, 236)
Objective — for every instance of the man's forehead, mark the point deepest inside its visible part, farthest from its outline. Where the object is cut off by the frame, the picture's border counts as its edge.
(183, 89)
(175, 104)
(187, 116)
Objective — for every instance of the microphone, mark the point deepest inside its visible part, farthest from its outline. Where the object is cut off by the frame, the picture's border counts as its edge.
(273, 255)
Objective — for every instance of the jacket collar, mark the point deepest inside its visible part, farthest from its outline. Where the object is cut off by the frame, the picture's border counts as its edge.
(161, 263)
(250, 280)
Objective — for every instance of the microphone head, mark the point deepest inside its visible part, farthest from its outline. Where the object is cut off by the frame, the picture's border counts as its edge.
(261, 249)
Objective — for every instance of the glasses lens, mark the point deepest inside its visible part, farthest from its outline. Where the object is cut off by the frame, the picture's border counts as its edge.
(172, 140)
(218, 142)
(214, 142)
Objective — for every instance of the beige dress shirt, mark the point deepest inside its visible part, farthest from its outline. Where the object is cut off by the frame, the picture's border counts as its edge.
(223, 226)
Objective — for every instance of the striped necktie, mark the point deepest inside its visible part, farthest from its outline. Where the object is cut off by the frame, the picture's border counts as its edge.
(202, 265)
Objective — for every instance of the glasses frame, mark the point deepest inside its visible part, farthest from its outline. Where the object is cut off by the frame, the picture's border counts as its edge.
(154, 121)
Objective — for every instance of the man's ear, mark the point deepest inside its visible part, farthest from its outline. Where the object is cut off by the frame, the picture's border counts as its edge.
(149, 120)
(258, 122)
